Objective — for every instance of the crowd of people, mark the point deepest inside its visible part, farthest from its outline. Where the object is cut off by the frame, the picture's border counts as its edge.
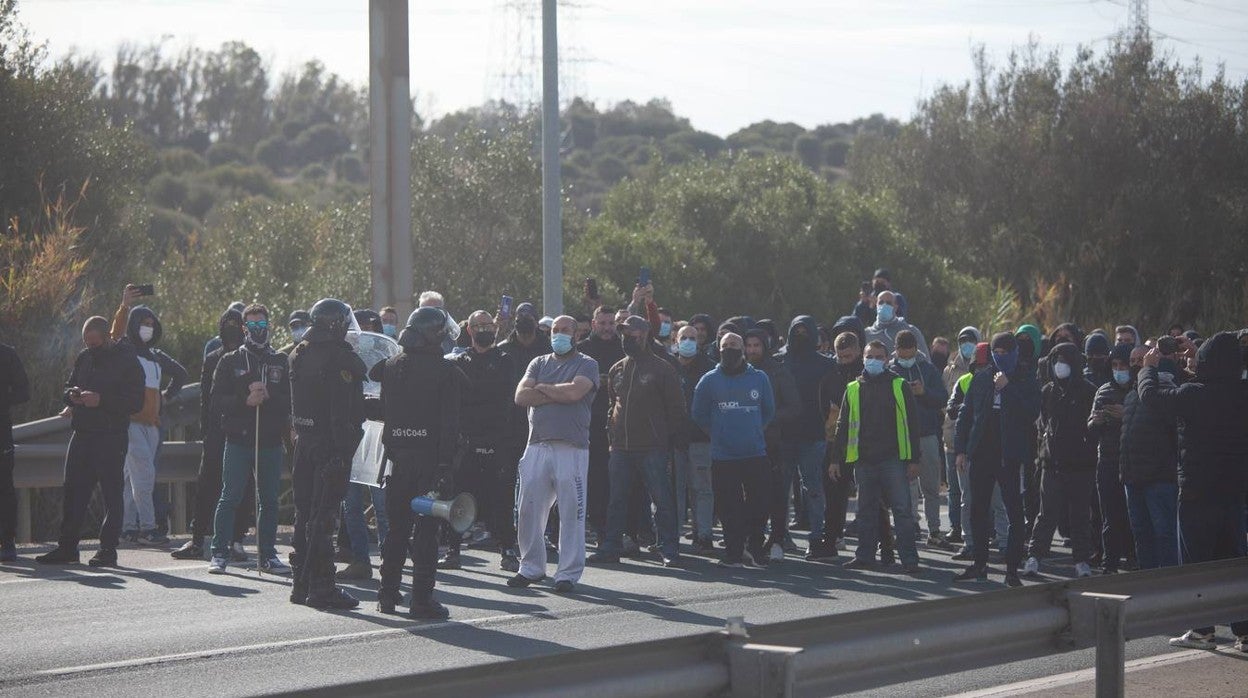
(631, 433)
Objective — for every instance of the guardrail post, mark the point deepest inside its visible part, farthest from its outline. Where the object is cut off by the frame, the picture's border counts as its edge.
(179, 507)
(1111, 617)
(759, 671)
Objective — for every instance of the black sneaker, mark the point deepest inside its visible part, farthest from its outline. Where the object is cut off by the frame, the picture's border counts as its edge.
(356, 570)
(703, 545)
(857, 563)
(1012, 580)
(955, 537)
(601, 558)
(887, 557)
(190, 550)
(520, 581)
(510, 561)
(964, 555)
(58, 556)
(336, 600)
(733, 562)
(673, 562)
(449, 561)
(8, 552)
(103, 558)
(388, 599)
(428, 610)
(564, 586)
(298, 594)
(821, 553)
(974, 573)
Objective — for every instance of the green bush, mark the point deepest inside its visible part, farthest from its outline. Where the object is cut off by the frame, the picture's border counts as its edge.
(226, 153)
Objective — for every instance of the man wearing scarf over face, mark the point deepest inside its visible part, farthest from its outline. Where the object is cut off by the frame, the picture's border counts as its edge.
(991, 440)
(249, 381)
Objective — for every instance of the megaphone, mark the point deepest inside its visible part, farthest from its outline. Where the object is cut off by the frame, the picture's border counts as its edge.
(459, 512)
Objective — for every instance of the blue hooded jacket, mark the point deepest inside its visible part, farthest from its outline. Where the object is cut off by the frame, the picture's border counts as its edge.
(808, 367)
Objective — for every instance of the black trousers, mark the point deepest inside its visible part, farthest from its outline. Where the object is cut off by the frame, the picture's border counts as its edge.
(599, 482)
(8, 496)
(478, 475)
(985, 473)
(410, 534)
(1064, 494)
(208, 491)
(779, 492)
(94, 458)
(741, 499)
(318, 492)
(1116, 539)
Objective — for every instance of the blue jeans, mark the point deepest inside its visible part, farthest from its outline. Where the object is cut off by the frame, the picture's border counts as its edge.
(885, 481)
(357, 524)
(806, 459)
(621, 468)
(955, 492)
(693, 487)
(1154, 513)
(235, 469)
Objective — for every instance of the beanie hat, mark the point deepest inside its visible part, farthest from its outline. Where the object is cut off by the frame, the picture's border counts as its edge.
(1004, 340)
(1096, 344)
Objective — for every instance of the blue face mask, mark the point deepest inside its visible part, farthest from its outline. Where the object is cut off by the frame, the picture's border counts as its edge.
(886, 312)
(561, 343)
(907, 363)
(687, 348)
(967, 349)
(874, 367)
(1006, 363)
(1122, 377)
(665, 330)
(390, 331)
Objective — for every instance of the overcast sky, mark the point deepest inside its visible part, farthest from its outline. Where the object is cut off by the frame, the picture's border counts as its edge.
(722, 63)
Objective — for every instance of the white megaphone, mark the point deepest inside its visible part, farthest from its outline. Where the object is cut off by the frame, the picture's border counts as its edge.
(459, 512)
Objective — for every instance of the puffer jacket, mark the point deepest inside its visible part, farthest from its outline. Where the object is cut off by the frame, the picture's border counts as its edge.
(1149, 442)
(1065, 405)
(1107, 433)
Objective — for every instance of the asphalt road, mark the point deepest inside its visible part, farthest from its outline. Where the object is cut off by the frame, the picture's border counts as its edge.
(158, 626)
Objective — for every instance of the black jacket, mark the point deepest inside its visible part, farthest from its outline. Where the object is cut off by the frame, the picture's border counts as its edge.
(788, 401)
(1108, 434)
(170, 369)
(421, 399)
(689, 375)
(487, 396)
(236, 371)
(14, 390)
(1213, 419)
(1149, 443)
(607, 352)
(113, 372)
(877, 433)
(1065, 405)
(521, 357)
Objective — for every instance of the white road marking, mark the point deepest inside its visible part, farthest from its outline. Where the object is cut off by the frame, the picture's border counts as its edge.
(1083, 675)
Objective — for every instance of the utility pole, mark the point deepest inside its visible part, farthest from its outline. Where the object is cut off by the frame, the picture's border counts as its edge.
(390, 155)
(1138, 17)
(552, 233)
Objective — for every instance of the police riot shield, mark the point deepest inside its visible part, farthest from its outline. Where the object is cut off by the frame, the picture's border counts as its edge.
(369, 466)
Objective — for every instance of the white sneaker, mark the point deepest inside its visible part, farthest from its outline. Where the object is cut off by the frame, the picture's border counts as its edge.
(1241, 644)
(1083, 569)
(237, 554)
(274, 565)
(1031, 567)
(217, 566)
(1194, 640)
(777, 553)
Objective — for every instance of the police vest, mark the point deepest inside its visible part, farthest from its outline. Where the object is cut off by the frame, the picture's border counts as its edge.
(853, 398)
(412, 390)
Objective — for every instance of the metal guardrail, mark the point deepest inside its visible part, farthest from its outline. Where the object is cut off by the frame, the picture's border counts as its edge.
(866, 649)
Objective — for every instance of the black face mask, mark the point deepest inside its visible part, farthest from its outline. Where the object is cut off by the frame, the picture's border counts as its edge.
(631, 345)
(879, 286)
(733, 360)
(800, 342)
(940, 360)
(258, 337)
(484, 339)
(526, 325)
(1098, 363)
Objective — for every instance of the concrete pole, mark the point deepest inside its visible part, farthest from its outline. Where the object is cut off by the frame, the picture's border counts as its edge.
(552, 232)
(390, 155)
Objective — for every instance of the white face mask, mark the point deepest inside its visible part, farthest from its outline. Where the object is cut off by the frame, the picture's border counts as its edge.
(1061, 370)
(146, 333)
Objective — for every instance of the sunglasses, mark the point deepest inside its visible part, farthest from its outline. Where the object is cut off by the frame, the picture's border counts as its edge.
(257, 324)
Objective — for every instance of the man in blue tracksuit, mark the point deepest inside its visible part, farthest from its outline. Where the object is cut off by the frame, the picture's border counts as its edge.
(734, 403)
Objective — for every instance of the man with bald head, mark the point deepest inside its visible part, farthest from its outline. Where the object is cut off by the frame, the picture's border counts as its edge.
(558, 390)
(734, 403)
(889, 322)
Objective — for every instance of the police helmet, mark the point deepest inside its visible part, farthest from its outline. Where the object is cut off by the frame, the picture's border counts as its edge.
(426, 327)
(331, 318)
(299, 316)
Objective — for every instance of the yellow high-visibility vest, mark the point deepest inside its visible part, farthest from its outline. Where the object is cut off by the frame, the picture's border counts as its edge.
(965, 383)
(852, 397)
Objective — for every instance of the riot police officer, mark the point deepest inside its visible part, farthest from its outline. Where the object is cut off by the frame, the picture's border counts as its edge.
(327, 396)
(420, 402)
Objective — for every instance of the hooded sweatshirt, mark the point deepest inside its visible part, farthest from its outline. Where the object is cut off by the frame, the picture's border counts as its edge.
(157, 365)
(1097, 370)
(1213, 420)
(230, 336)
(734, 409)
(957, 368)
(849, 323)
(808, 367)
(886, 332)
(1064, 409)
(788, 402)
(931, 403)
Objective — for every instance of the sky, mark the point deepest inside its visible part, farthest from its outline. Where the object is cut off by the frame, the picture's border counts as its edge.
(724, 64)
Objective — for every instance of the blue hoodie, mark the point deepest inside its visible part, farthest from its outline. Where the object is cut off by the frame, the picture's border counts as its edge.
(734, 410)
(808, 367)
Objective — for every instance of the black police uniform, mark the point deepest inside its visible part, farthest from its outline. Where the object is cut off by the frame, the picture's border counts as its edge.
(420, 399)
(487, 401)
(327, 399)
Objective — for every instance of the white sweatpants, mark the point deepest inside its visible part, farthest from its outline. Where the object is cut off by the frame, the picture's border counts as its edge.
(549, 472)
(140, 478)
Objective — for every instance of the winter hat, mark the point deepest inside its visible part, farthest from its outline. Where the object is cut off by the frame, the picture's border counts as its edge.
(1004, 340)
(1096, 344)
(1121, 352)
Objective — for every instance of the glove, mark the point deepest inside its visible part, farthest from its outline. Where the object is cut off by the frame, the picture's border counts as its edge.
(445, 484)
